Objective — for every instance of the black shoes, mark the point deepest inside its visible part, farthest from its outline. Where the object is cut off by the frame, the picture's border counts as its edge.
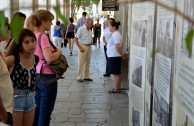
(106, 75)
(88, 79)
(80, 80)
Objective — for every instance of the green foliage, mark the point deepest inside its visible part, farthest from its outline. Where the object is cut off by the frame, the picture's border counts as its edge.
(16, 27)
(95, 1)
(188, 41)
(3, 24)
(154, 52)
(77, 3)
(58, 12)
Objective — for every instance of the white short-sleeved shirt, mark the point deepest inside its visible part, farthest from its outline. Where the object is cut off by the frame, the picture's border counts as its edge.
(84, 35)
(111, 48)
(106, 23)
(107, 34)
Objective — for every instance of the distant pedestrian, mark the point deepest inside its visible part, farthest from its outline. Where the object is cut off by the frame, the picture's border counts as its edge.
(115, 55)
(58, 35)
(106, 36)
(64, 28)
(21, 63)
(82, 20)
(105, 23)
(83, 40)
(70, 34)
(97, 31)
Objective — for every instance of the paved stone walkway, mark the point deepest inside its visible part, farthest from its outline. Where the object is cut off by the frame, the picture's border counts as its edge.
(88, 103)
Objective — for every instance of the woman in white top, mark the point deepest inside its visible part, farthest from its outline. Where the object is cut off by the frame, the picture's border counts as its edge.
(115, 55)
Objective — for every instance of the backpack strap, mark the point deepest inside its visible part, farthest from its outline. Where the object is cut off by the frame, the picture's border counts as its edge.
(41, 75)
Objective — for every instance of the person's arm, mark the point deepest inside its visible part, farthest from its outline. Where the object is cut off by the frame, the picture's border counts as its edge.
(104, 41)
(9, 60)
(3, 113)
(62, 34)
(50, 56)
(78, 45)
(74, 28)
(67, 31)
(119, 49)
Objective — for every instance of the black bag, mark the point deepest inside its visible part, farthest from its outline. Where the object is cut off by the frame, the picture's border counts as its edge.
(94, 39)
(59, 66)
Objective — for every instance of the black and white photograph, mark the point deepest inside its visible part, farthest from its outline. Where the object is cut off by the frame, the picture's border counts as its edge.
(181, 118)
(137, 72)
(165, 37)
(187, 26)
(135, 117)
(139, 33)
(161, 110)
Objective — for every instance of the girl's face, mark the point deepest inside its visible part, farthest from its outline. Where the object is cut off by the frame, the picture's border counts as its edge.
(47, 25)
(29, 44)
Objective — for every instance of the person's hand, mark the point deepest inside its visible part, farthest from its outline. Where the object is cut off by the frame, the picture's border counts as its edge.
(81, 49)
(93, 43)
(3, 117)
(106, 44)
(58, 50)
(123, 56)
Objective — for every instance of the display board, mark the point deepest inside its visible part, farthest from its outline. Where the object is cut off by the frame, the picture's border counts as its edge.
(142, 15)
(163, 60)
(183, 93)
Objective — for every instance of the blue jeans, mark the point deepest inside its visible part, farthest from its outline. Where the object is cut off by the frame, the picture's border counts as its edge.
(45, 100)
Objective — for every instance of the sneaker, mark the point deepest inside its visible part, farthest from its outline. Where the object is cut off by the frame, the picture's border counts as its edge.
(88, 79)
(80, 80)
(106, 75)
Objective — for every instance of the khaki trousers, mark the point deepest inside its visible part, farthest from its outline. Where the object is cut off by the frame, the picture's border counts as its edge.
(84, 62)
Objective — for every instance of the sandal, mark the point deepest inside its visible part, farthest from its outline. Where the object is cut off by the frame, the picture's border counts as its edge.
(114, 91)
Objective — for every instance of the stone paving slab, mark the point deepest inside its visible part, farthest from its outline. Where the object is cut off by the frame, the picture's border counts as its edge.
(88, 103)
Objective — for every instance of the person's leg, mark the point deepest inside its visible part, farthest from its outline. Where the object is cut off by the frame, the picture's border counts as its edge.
(59, 42)
(72, 42)
(48, 97)
(39, 86)
(105, 49)
(17, 118)
(9, 119)
(28, 118)
(81, 62)
(69, 41)
(55, 41)
(99, 42)
(65, 43)
(87, 63)
(117, 81)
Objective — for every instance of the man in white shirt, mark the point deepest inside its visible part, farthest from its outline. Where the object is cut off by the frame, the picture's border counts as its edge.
(105, 23)
(83, 40)
(82, 20)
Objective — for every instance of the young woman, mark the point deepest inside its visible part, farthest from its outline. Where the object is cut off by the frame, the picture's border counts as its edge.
(115, 55)
(71, 29)
(97, 31)
(21, 63)
(45, 97)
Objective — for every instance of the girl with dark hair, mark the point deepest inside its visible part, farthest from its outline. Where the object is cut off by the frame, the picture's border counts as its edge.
(21, 63)
(115, 55)
(71, 30)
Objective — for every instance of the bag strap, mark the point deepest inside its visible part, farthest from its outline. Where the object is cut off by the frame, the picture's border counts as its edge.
(41, 75)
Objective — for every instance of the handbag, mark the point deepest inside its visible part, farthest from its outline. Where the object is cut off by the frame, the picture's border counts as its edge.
(59, 66)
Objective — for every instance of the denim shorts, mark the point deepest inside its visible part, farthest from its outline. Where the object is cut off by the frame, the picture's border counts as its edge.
(24, 100)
